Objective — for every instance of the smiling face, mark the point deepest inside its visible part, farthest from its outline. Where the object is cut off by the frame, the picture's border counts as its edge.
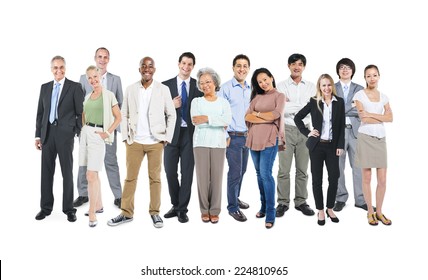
(345, 72)
(147, 70)
(265, 82)
(207, 85)
(240, 70)
(93, 78)
(296, 69)
(185, 67)
(326, 88)
(58, 69)
(102, 59)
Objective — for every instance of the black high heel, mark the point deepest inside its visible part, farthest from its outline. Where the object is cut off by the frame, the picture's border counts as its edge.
(320, 222)
(333, 219)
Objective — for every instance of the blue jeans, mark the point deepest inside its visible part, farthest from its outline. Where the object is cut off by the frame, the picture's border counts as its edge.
(237, 159)
(263, 163)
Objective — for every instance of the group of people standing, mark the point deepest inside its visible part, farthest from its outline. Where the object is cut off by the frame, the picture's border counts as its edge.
(198, 123)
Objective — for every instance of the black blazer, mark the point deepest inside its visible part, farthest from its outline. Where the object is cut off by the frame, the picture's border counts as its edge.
(193, 92)
(337, 119)
(70, 108)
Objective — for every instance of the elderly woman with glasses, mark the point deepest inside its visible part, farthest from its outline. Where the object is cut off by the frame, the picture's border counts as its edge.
(211, 115)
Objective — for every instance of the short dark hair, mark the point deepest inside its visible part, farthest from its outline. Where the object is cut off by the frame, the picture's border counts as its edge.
(295, 57)
(241, 56)
(347, 62)
(102, 48)
(189, 55)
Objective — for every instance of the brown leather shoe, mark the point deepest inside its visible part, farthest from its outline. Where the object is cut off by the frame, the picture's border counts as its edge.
(205, 218)
(214, 219)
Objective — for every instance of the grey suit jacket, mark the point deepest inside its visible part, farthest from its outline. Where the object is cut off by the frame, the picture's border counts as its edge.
(350, 112)
(114, 84)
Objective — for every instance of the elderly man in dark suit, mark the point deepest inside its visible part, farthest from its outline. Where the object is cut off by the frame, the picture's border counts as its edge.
(59, 119)
(181, 146)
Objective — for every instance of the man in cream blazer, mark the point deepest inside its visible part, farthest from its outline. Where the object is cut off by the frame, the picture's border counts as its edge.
(148, 121)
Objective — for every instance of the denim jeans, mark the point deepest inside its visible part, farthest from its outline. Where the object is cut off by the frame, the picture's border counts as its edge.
(237, 159)
(263, 163)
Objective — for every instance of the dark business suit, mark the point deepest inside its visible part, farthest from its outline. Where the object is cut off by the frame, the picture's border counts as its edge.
(324, 152)
(181, 148)
(58, 140)
(114, 85)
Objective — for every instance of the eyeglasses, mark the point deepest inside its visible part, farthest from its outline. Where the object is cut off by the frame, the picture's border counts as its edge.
(205, 83)
(345, 67)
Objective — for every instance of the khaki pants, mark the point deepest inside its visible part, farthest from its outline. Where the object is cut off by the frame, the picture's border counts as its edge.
(134, 156)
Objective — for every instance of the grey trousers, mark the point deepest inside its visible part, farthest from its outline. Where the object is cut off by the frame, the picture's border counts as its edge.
(296, 146)
(112, 170)
(350, 148)
(209, 164)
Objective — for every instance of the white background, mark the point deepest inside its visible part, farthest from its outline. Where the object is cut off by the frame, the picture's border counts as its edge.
(388, 34)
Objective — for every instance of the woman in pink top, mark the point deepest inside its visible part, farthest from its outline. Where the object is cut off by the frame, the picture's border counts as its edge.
(265, 132)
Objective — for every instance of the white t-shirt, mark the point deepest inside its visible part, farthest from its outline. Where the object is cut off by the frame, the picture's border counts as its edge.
(372, 129)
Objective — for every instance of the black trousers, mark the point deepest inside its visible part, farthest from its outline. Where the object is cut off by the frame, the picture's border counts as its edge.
(59, 142)
(324, 152)
(183, 153)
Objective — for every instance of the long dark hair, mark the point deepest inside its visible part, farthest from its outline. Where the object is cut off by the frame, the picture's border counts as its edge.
(255, 88)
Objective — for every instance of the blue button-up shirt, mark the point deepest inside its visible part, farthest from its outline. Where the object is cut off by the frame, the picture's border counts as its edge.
(239, 100)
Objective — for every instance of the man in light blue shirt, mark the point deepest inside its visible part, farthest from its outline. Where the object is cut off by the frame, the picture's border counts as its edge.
(237, 92)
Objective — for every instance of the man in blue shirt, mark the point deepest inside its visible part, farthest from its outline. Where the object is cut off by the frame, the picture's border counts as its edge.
(237, 92)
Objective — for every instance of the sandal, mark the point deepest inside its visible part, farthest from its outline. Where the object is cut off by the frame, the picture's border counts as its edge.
(372, 219)
(269, 225)
(205, 218)
(260, 215)
(384, 220)
(214, 219)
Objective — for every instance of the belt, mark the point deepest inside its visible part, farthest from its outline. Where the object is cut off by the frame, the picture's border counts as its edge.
(94, 124)
(237, 133)
(348, 125)
(325, 141)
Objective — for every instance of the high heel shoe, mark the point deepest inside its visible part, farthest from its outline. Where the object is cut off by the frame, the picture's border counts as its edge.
(333, 219)
(320, 222)
(93, 223)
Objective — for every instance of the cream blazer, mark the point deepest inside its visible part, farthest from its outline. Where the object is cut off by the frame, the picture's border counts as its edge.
(162, 115)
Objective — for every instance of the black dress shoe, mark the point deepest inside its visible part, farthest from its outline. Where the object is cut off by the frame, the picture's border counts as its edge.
(117, 202)
(280, 210)
(80, 201)
(171, 213)
(41, 215)
(364, 206)
(243, 205)
(305, 209)
(71, 217)
(339, 206)
(182, 217)
(238, 215)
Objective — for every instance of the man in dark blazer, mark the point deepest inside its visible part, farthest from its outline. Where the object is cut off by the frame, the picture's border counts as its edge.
(113, 84)
(181, 147)
(59, 119)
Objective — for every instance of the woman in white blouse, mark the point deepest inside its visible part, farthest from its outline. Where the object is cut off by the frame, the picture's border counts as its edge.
(373, 109)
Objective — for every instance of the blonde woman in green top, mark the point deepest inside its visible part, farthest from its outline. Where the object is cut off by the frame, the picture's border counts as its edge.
(101, 116)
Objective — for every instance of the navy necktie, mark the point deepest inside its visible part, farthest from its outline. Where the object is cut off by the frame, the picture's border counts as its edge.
(54, 103)
(183, 101)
